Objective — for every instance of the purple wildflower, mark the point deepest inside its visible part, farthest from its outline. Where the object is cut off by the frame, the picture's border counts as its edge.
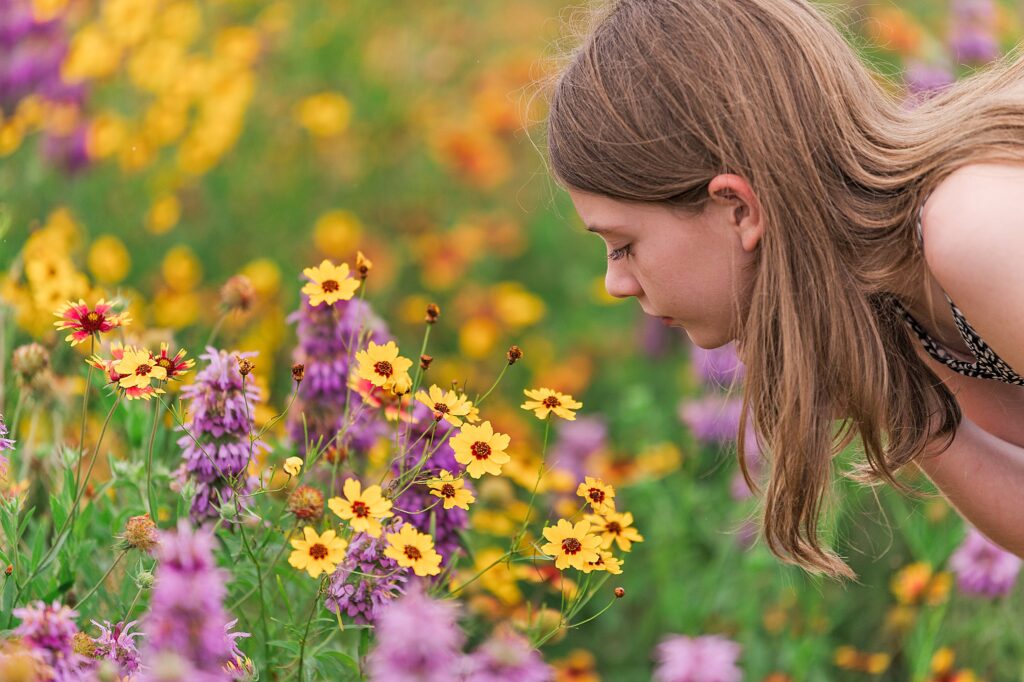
(376, 579)
(117, 644)
(576, 442)
(755, 465)
(984, 568)
(712, 418)
(187, 623)
(710, 658)
(324, 334)
(718, 367)
(49, 631)
(418, 638)
(923, 80)
(5, 444)
(447, 523)
(507, 657)
(216, 450)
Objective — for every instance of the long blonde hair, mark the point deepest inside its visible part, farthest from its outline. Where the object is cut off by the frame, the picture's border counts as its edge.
(663, 95)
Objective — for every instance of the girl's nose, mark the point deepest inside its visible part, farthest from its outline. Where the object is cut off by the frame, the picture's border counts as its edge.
(621, 284)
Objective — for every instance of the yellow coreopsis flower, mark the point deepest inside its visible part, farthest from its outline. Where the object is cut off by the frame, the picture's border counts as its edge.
(605, 562)
(480, 449)
(447, 405)
(316, 553)
(292, 466)
(600, 495)
(138, 367)
(543, 401)
(571, 545)
(617, 528)
(324, 114)
(451, 490)
(382, 366)
(363, 509)
(330, 284)
(413, 549)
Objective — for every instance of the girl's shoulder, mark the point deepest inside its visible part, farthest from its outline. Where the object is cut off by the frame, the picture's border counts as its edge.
(973, 229)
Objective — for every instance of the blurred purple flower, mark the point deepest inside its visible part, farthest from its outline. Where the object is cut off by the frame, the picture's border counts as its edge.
(755, 465)
(216, 449)
(5, 444)
(49, 630)
(117, 644)
(717, 367)
(923, 80)
(376, 579)
(712, 418)
(709, 658)
(418, 638)
(974, 45)
(983, 567)
(187, 621)
(576, 442)
(506, 657)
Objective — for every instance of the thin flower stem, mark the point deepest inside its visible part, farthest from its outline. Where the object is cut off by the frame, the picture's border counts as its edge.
(540, 474)
(85, 411)
(270, 568)
(13, 423)
(587, 620)
(102, 580)
(305, 634)
(259, 578)
(149, 463)
(215, 330)
(131, 607)
(477, 576)
(493, 386)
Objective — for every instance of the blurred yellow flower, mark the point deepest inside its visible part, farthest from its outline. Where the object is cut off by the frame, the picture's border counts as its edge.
(317, 553)
(265, 276)
(325, 114)
(239, 46)
(478, 336)
(155, 64)
(105, 135)
(292, 466)
(480, 449)
(544, 401)
(12, 132)
(330, 283)
(175, 309)
(180, 21)
(92, 54)
(916, 584)
(848, 658)
(127, 21)
(413, 549)
(572, 545)
(363, 509)
(606, 561)
(451, 490)
(615, 527)
(181, 269)
(44, 10)
(337, 233)
(108, 259)
(516, 306)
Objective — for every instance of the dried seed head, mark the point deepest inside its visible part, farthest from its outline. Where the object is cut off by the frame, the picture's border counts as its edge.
(620, 592)
(140, 533)
(433, 312)
(238, 293)
(83, 645)
(363, 265)
(31, 364)
(514, 354)
(425, 361)
(298, 372)
(336, 453)
(245, 366)
(306, 503)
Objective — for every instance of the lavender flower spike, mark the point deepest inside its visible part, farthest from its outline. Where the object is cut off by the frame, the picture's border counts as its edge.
(5, 444)
(984, 568)
(710, 658)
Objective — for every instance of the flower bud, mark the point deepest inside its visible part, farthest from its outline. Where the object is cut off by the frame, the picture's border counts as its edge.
(145, 580)
(433, 312)
(238, 294)
(298, 372)
(425, 361)
(31, 364)
(245, 366)
(363, 265)
(620, 592)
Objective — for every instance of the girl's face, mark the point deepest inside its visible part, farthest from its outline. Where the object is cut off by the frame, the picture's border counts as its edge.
(682, 268)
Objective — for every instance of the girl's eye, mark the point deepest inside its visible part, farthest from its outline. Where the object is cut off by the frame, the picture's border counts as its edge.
(616, 254)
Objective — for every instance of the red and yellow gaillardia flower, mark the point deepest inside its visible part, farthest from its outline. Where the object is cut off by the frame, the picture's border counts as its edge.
(330, 284)
(317, 553)
(138, 368)
(480, 449)
(451, 490)
(571, 545)
(109, 367)
(84, 322)
(617, 528)
(175, 365)
(544, 401)
(413, 549)
(363, 509)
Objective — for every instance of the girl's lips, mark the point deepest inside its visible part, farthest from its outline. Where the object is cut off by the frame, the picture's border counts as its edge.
(667, 321)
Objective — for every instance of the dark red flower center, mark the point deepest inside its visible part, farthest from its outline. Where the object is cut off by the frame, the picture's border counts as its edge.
(551, 401)
(143, 370)
(597, 495)
(441, 407)
(412, 552)
(571, 546)
(318, 551)
(448, 490)
(383, 368)
(360, 509)
(613, 527)
(481, 450)
(329, 285)
(92, 322)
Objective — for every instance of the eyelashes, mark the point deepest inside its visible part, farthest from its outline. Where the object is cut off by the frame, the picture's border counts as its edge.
(619, 253)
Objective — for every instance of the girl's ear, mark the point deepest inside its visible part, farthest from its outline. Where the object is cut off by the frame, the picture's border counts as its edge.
(745, 214)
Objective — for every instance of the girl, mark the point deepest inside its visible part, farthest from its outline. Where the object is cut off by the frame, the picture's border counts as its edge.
(753, 181)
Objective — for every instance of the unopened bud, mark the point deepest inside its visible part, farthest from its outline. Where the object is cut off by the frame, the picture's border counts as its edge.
(30, 364)
(363, 265)
(298, 372)
(514, 354)
(425, 361)
(245, 366)
(9, 570)
(145, 580)
(620, 592)
(238, 294)
(433, 312)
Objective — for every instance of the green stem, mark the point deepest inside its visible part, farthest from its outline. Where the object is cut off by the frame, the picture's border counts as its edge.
(85, 411)
(493, 386)
(259, 579)
(149, 462)
(305, 634)
(102, 580)
(536, 484)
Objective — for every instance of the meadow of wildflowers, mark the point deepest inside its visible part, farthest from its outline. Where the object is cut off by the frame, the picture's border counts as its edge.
(307, 372)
